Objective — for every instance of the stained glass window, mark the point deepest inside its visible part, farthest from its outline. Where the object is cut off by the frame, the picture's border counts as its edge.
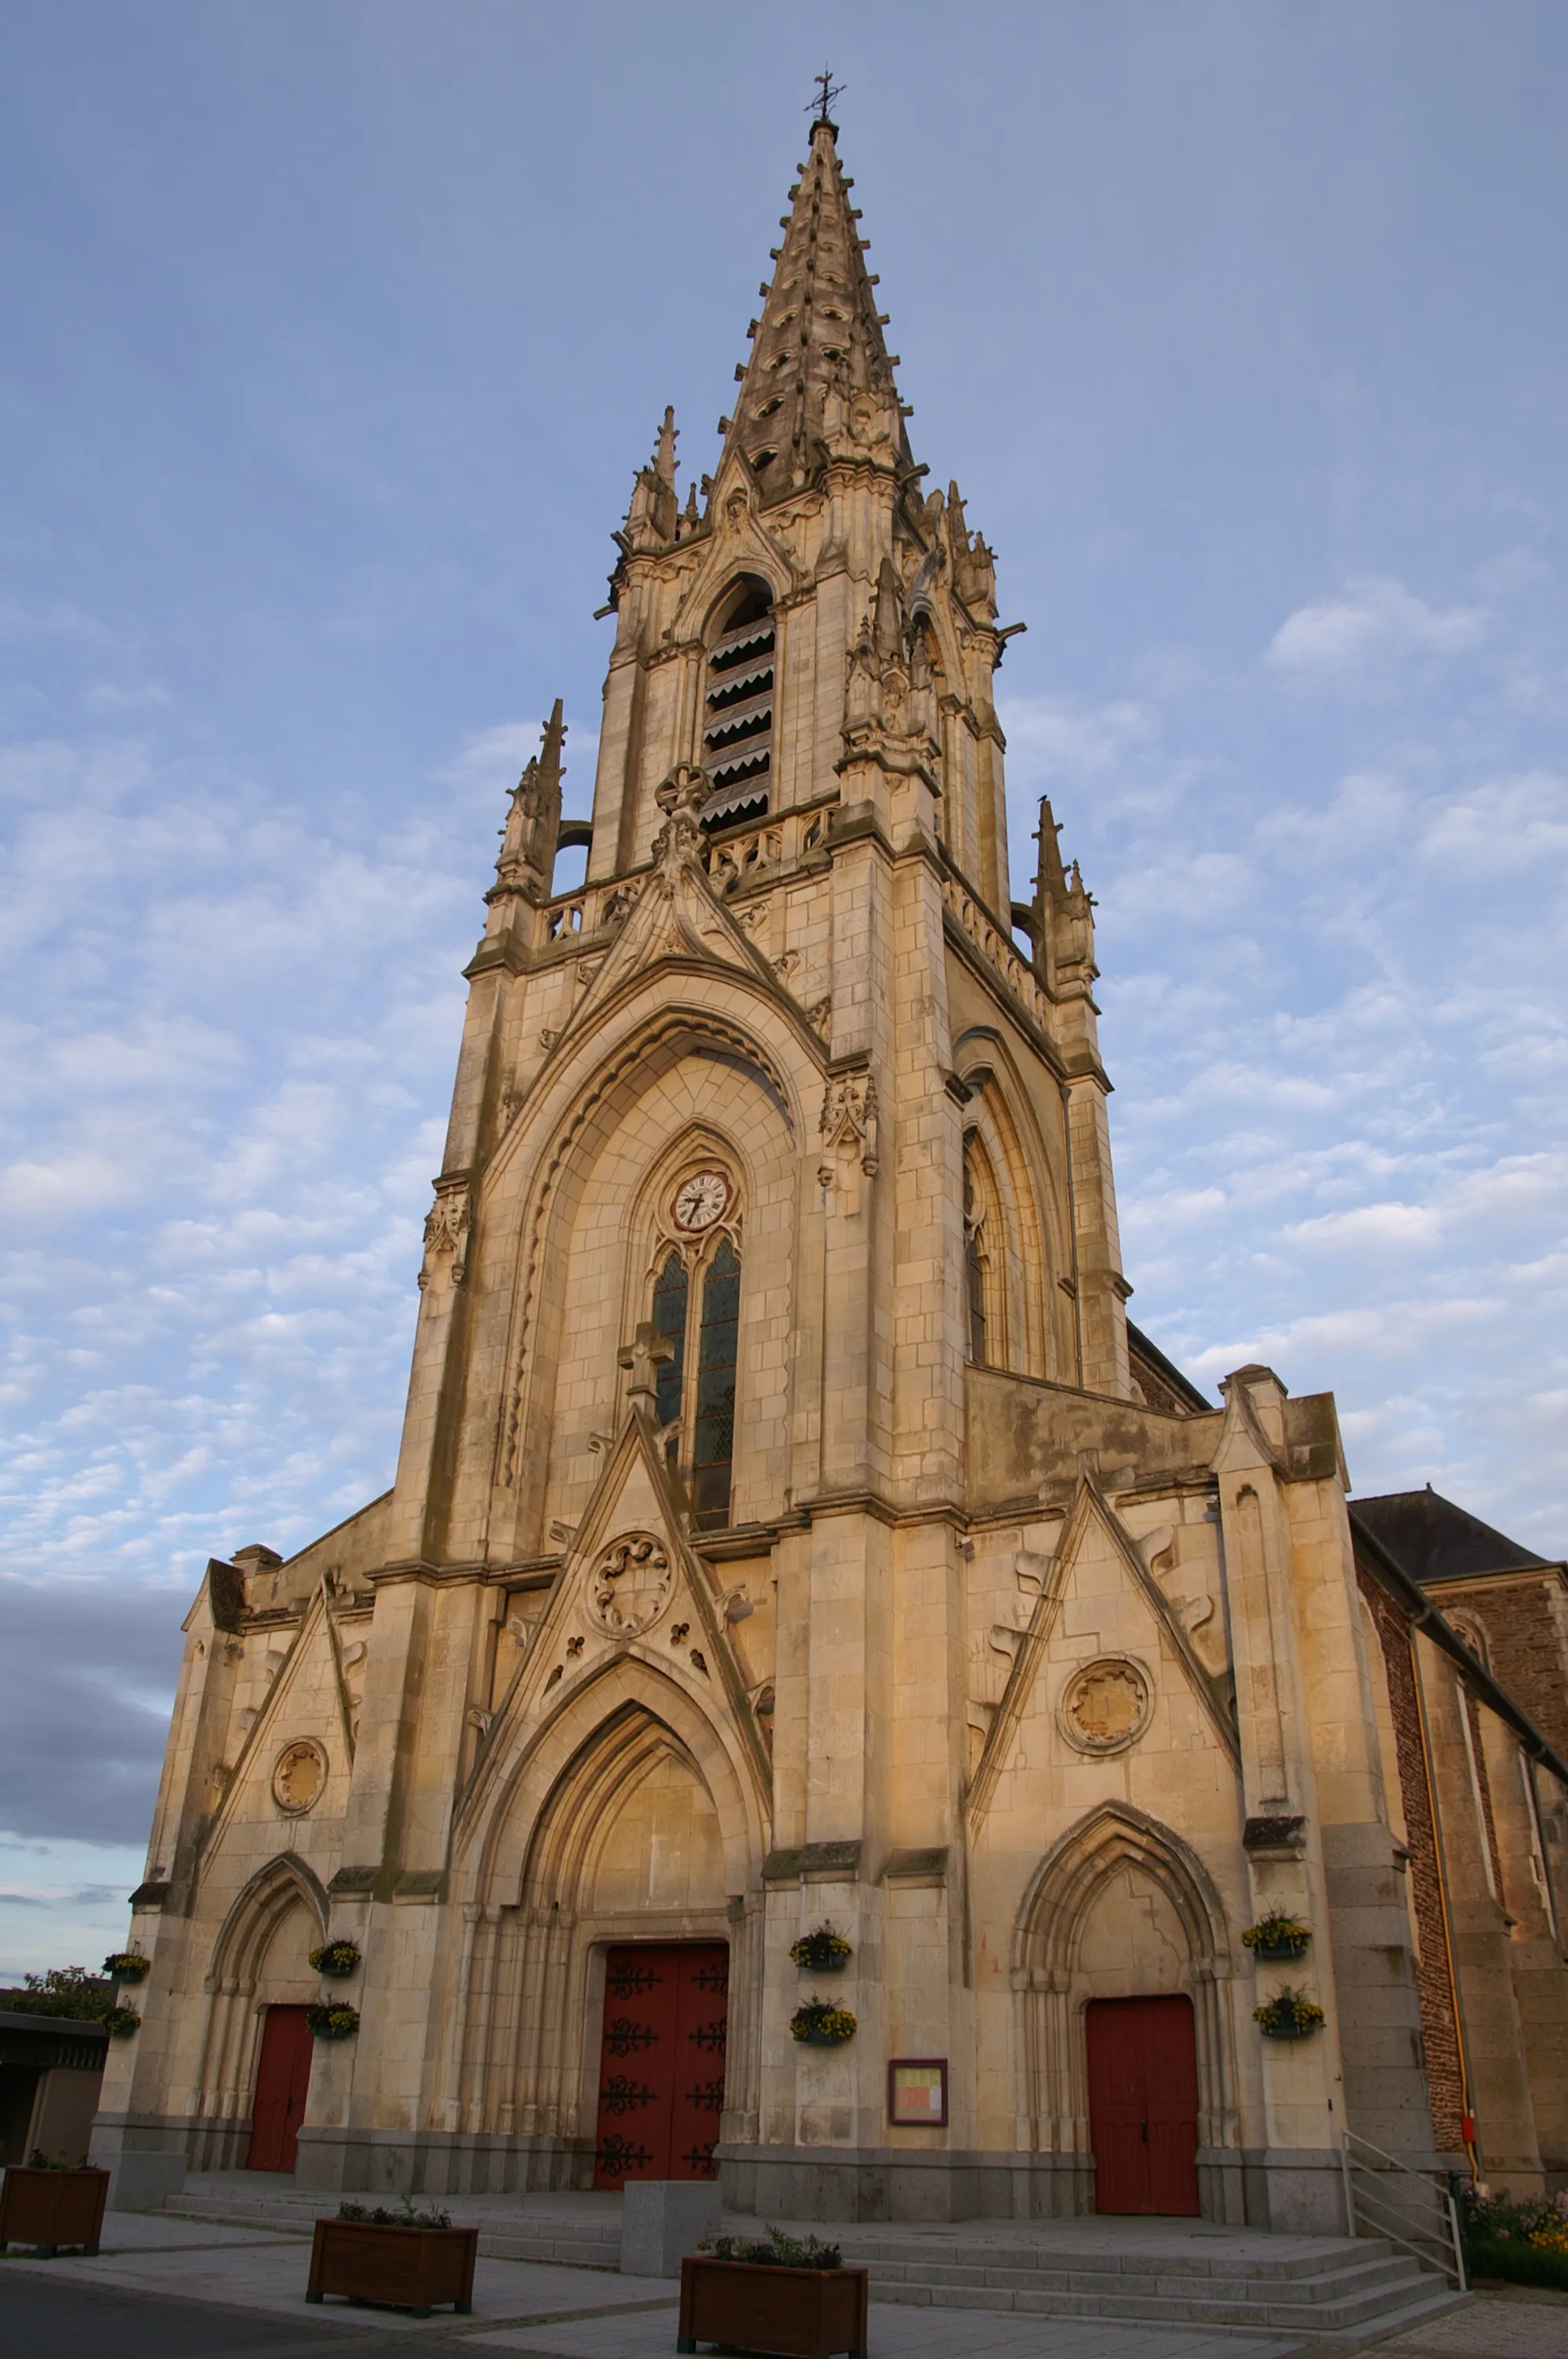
(713, 1440)
(669, 1320)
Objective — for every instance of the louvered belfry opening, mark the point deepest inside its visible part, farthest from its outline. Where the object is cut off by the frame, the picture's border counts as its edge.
(738, 707)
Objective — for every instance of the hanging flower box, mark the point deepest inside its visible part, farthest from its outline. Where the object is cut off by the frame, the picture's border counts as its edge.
(337, 1960)
(52, 2208)
(121, 2022)
(332, 2022)
(1289, 2014)
(1276, 1936)
(781, 2296)
(820, 2024)
(405, 2260)
(127, 1966)
(821, 1951)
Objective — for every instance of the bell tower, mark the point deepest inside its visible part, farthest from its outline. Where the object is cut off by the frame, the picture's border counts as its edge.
(763, 1140)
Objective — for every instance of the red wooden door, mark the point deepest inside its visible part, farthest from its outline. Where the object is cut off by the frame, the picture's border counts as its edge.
(1143, 2103)
(661, 2077)
(282, 2081)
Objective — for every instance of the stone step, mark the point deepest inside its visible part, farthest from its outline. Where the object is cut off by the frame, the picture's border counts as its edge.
(1186, 2259)
(1334, 2289)
(1075, 2276)
(1159, 2274)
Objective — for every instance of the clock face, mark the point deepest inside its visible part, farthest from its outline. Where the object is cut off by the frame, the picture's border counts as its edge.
(702, 1199)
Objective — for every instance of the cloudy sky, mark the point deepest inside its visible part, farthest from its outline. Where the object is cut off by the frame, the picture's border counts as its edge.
(334, 331)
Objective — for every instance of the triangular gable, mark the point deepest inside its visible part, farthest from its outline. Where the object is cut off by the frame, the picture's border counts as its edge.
(670, 1616)
(315, 1626)
(740, 543)
(1088, 1516)
(676, 916)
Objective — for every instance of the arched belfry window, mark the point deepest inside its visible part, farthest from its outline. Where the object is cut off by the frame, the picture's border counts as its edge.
(696, 1308)
(737, 706)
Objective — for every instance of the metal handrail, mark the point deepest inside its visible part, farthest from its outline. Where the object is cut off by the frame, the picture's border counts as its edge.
(1445, 2244)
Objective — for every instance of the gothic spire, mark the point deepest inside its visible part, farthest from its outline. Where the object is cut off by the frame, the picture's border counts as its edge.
(819, 330)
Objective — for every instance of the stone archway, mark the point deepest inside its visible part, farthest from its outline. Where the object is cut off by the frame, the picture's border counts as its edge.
(619, 1837)
(260, 1958)
(1120, 1908)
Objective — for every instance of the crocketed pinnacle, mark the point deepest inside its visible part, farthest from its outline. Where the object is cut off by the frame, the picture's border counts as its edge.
(819, 325)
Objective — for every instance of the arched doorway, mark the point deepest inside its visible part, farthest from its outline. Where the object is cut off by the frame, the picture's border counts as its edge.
(1127, 2038)
(624, 1834)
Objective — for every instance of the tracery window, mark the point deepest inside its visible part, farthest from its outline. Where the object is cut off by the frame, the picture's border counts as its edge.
(738, 709)
(698, 1308)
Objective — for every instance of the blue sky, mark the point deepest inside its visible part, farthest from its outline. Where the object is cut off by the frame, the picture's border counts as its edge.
(334, 332)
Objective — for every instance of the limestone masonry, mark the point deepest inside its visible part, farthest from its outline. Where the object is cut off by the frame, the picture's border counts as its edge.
(790, 1531)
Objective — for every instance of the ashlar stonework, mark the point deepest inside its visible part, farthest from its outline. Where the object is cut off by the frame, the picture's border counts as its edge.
(789, 1529)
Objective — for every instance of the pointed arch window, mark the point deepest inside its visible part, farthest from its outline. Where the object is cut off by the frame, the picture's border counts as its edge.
(699, 1311)
(738, 707)
(984, 1315)
(670, 1296)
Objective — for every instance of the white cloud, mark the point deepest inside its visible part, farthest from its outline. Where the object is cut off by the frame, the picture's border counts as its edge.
(1504, 823)
(1375, 618)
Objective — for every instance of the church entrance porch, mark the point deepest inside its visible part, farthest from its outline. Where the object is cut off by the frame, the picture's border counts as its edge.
(283, 2082)
(661, 2080)
(1144, 2105)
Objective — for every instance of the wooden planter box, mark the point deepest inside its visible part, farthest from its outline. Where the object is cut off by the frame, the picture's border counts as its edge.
(52, 2208)
(407, 2269)
(747, 2306)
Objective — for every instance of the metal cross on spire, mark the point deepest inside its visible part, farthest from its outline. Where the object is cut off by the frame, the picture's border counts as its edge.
(829, 90)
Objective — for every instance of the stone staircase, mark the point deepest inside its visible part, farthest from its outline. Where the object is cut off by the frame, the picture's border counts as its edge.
(1349, 2290)
(1338, 2292)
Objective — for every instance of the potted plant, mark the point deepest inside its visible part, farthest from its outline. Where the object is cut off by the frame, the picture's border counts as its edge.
(820, 2024)
(334, 2022)
(821, 1951)
(50, 2204)
(127, 1966)
(337, 1960)
(408, 2260)
(1289, 2014)
(784, 2294)
(121, 2022)
(1277, 1935)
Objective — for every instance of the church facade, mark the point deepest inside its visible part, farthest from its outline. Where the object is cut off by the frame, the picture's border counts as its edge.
(791, 1536)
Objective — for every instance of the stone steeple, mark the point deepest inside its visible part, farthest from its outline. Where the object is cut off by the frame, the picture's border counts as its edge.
(820, 334)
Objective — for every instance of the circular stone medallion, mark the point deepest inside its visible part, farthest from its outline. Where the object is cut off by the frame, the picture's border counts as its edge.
(1104, 1706)
(299, 1775)
(628, 1588)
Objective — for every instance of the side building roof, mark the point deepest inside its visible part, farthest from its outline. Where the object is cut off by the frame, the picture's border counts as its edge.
(1433, 1540)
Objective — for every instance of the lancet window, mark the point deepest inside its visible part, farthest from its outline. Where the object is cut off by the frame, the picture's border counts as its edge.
(738, 707)
(698, 1309)
(983, 1311)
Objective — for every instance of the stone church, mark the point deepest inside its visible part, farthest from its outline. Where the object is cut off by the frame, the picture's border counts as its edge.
(791, 1536)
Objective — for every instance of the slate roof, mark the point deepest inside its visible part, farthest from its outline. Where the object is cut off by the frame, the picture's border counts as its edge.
(1432, 1540)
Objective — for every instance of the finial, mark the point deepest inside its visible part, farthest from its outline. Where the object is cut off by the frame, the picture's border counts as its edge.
(829, 90)
(665, 456)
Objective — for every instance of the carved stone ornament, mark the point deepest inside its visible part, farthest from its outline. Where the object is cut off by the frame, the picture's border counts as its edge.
(630, 1585)
(849, 1120)
(447, 1225)
(681, 798)
(1104, 1706)
(297, 1776)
